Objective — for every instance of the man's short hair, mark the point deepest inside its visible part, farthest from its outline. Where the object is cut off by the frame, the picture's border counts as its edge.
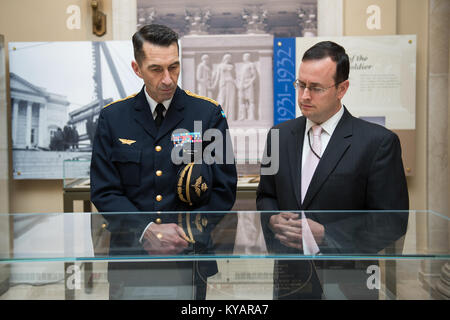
(336, 52)
(155, 34)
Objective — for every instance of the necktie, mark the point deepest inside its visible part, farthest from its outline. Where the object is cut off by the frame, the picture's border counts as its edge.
(311, 162)
(159, 114)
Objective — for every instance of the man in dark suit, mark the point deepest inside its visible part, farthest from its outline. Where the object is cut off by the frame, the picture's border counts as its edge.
(138, 165)
(358, 166)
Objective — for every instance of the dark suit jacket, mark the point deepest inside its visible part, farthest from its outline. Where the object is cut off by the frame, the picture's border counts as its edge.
(361, 169)
(123, 175)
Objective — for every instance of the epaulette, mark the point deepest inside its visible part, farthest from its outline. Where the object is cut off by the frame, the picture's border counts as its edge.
(120, 100)
(201, 97)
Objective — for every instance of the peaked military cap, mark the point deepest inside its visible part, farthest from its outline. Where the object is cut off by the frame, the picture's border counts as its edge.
(194, 184)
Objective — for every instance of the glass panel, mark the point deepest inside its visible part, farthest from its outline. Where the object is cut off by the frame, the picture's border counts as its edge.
(224, 255)
(218, 235)
(76, 172)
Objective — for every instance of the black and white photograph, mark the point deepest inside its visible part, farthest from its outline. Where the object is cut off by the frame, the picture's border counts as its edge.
(57, 92)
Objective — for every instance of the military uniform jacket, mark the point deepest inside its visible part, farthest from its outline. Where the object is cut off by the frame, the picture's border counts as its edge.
(132, 170)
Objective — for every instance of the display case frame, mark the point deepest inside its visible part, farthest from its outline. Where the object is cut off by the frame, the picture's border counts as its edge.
(73, 241)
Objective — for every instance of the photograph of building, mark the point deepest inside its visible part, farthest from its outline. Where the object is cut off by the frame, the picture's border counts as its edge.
(55, 104)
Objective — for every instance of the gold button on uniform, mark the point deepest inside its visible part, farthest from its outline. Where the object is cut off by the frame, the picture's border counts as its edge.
(159, 173)
(158, 197)
(158, 221)
(158, 148)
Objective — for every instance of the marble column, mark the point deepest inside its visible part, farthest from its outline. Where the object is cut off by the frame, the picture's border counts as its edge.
(442, 288)
(442, 26)
(434, 272)
(330, 18)
(188, 65)
(15, 117)
(266, 59)
(5, 227)
(43, 134)
(28, 124)
(124, 19)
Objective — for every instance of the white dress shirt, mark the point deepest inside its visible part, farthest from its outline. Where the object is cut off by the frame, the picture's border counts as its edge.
(152, 103)
(328, 128)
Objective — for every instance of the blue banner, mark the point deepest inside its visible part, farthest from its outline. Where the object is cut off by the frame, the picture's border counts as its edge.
(283, 79)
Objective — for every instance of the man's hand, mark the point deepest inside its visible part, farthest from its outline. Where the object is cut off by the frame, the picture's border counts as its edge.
(160, 239)
(317, 230)
(288, 229)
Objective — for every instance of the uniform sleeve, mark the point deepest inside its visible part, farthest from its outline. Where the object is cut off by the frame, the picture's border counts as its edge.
(387, 190)
(387, 196)
(107, 193)
(266, 198)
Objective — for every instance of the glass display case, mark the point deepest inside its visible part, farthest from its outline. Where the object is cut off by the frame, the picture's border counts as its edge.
(76, 172)
(76, 183)
(225, 255)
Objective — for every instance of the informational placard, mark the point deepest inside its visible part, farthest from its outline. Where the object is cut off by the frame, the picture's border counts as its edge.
(382, 77)
(382, 82)
(284, 74)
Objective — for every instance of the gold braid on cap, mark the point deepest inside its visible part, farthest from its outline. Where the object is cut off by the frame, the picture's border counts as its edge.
(197, 222)
(199, 186)
(188, 196)
(188, 225)
(200, 222)
(180, 183)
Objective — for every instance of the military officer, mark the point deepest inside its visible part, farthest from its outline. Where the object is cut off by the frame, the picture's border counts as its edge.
(135, 167)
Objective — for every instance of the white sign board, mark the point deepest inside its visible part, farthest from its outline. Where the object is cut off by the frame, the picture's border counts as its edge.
(382, 77)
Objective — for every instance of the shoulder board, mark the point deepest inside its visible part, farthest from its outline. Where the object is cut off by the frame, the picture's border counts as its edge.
(120, 100)
(201, 97)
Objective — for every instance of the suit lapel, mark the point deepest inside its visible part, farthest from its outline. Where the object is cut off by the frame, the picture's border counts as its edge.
(295, 150)
(339, 143)
(143, 115)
